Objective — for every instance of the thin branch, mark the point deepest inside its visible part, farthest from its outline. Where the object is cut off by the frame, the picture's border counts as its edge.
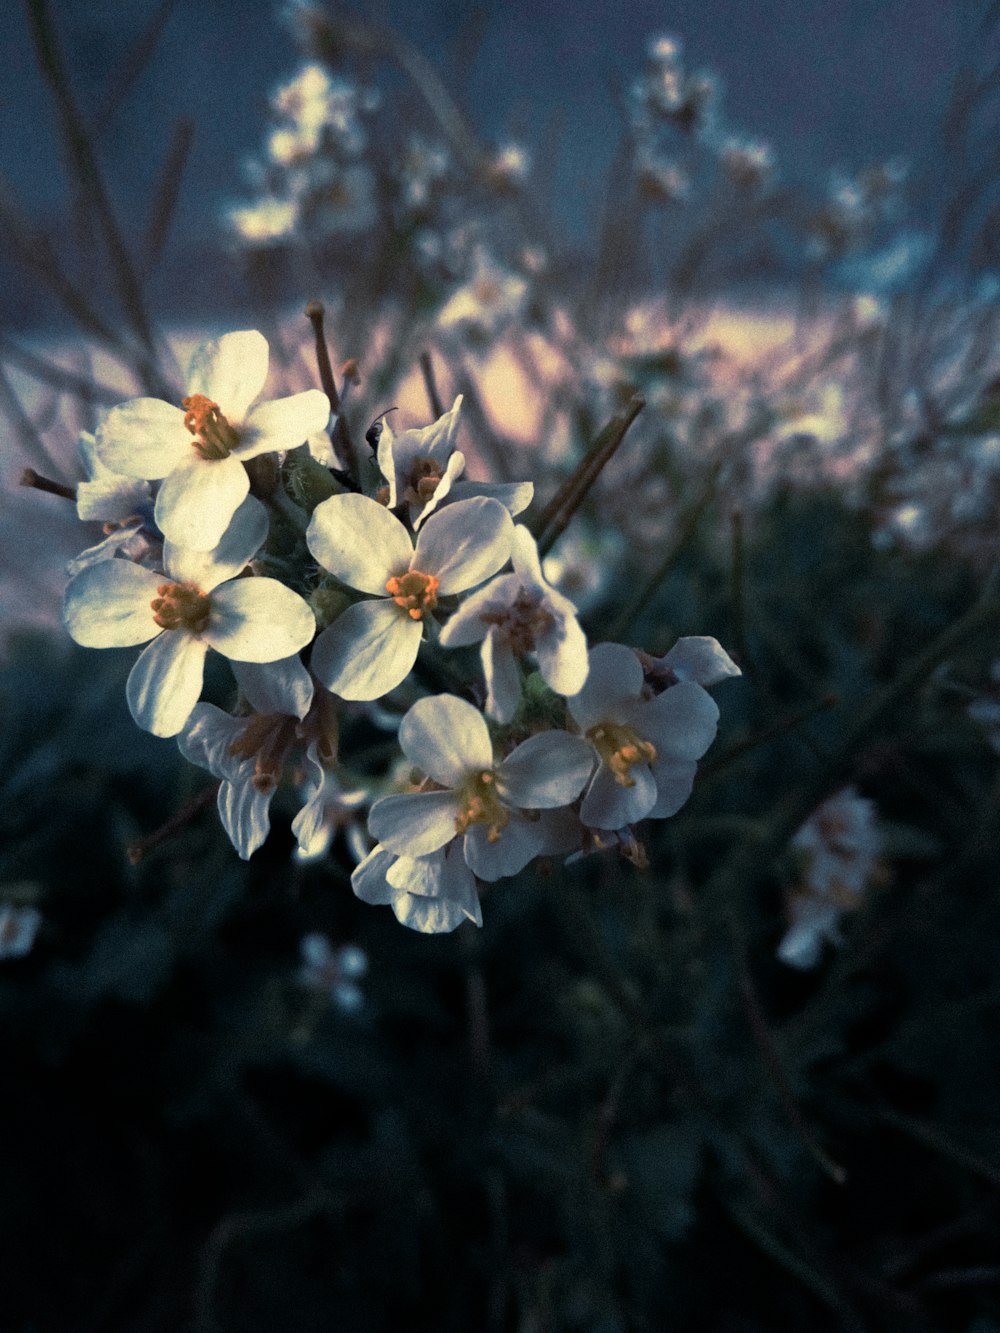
(161, 215)
(129, 70)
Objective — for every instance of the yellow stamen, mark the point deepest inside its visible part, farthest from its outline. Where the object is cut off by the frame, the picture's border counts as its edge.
(416, 593)
(480, 804)
(620, 747)
(214, 437)
(181, 606)
(266, 739)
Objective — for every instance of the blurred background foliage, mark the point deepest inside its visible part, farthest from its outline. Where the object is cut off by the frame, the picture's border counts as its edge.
(613, 1108)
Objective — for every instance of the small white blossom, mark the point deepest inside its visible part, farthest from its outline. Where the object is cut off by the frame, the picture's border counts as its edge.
(198, 604)
(475, 798)
(423, 470)
(18, 928)
(328, 806)
(839, 845)
(370, 648)
(490, 300)
(516, 614)
(647, 747)
(697, 657)
(199, 447)
(334, 971)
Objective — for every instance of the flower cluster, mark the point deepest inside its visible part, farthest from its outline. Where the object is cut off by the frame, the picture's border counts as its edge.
(347, 605)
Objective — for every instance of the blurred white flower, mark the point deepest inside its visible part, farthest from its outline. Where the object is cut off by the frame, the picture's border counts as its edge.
(491, 299)
(266, 221)
(839, 846)
(333, 971)
(18, 928)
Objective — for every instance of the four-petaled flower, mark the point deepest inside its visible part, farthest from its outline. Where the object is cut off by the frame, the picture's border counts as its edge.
(474, 797)
(370, 648)
(647, 746)
(422, 470)
(199, 447)
(198, 604)
(516, 614)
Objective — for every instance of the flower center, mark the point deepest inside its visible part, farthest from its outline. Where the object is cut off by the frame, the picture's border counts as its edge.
(266, 739)
(480, 804)
(523, 623)
(181, 606)
(214, 437)
(425, 473)
(416, 593)
(620, 747)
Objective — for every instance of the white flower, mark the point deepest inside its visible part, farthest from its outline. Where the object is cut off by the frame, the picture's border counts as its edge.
(491, 299)
(335, 971)
(370, 648)
(248, 753)
(516, 614)
(422, 468)
(477, 799)
(839, 844)
(199, 448)
(432, 894)
(647, 747)
(18, 928)
(198, 604)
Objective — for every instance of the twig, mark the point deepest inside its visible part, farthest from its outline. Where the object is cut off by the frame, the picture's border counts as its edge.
(161, 215)
(555, 517)
(128, 71)
(137, 850)
(29, 477)
(935, 1140)
(430, 384)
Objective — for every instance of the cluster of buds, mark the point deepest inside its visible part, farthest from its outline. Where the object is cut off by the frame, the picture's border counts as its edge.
(346, 595)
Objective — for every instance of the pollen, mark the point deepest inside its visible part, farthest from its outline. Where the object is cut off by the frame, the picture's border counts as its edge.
(214, 437)
(620, 747)
(416, 593)
(425, 473)
(181, 606)
(480, 804)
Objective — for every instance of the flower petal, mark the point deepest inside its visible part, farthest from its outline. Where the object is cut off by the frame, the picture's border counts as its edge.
(108, 605)
(699, 658)
(674, 781)
(545, 771)
(613, 680)
(438, 916)
(503, 679)
(284, 686)
(609, 805)
(367, 651)
(283, 424)
(245, 814)
(258, 620)
(368, 880)
(562, 650)
(197, 501)
(519, 843)
(464, 543)
(206, 739)
(359, 541)
(230, 371)
(240, 542)
(446, 738)
(681, 722)
(144, 438)
(164, 685)
(467, 625)
(414, 823)
(515, 496)
(443, 490)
